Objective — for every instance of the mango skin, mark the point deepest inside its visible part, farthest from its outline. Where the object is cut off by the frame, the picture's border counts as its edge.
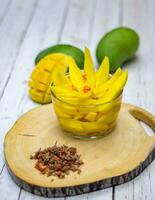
(70, 50)
(119, 45)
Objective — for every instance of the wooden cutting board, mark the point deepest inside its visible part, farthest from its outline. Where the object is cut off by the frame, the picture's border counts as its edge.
(108, 161)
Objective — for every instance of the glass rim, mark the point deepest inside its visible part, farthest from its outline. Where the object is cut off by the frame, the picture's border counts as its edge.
(85, 105)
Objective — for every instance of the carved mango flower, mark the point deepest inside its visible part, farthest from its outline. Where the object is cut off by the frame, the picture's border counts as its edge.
(88, 85)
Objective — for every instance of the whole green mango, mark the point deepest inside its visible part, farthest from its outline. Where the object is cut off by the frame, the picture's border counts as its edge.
(119, 45)
(67, 49)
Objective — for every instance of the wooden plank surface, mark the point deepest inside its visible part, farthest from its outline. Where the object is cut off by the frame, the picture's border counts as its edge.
(26, 28)
(139, 15)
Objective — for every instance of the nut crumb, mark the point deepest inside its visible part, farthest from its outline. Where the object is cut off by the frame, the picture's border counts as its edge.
(57, 161)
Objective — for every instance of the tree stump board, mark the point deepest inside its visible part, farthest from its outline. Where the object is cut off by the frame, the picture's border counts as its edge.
(112, 160)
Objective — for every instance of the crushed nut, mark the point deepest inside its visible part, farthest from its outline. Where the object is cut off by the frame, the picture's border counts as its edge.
(57, 161)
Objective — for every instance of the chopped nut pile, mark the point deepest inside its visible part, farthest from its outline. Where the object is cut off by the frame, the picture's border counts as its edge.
(57, 161)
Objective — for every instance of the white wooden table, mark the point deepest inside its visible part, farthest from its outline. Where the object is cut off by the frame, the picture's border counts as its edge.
(26, 27)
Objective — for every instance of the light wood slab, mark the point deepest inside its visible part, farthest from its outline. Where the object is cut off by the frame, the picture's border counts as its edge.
(111, 160)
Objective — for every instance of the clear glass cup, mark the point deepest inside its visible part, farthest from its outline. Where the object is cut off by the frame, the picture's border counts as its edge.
(87, 121)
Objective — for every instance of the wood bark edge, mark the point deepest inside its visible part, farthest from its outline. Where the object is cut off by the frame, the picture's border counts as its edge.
(84, 188)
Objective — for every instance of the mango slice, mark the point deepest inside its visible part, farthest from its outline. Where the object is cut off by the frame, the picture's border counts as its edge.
(91, 116)
(100, 90)
(75, 74)
(42, 77)
(108, 118)
(41, 86)
(117, 87)
(58, 77)
(89, 69)
(102, 75)
(82, 128)
(61, 113)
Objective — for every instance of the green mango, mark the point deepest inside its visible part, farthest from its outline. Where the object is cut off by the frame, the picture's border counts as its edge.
(119, 45)
(70, 50)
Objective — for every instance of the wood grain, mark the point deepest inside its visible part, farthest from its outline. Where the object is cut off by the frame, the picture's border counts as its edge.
(140, 88)
(39, 33)
(117, 158)
(13, 40)
(44, 29)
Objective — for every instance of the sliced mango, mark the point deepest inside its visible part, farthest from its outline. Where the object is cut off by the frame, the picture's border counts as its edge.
(102, 75)
(36, 95)
(58, 76)
(33, 84)
(46, 65)
(75, 74)
(100, 90)
(87, 102)
(117, 87)
(66, 96)
(42, 78)
(89, 69)
(75, 126)
(91, 116)
(108, 118)
(72, 110)
(78, 116)
(61, 113)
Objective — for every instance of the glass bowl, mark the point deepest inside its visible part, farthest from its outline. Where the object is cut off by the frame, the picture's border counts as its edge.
(87, 121)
